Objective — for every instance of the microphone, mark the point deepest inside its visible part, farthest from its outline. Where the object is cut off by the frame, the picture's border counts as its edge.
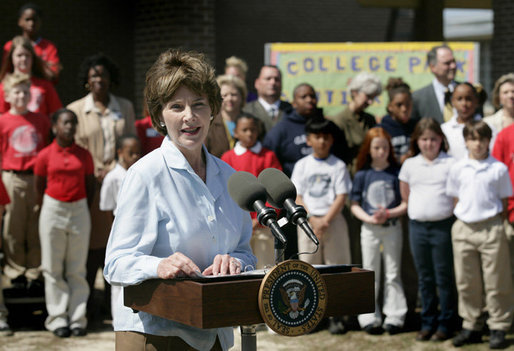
(282, 194)
(250, 195)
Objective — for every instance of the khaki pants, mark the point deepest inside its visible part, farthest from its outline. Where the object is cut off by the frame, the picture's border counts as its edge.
(482, 265)
(134, 341)
(334, 246)
(21, 240)
(3, 309)
(64, 228)
(263, 247)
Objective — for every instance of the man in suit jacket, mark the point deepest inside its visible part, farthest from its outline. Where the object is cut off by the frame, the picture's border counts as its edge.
(429, 101)
(268, 107)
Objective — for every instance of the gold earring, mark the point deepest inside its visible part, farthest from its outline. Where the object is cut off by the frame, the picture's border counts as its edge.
(87, 86)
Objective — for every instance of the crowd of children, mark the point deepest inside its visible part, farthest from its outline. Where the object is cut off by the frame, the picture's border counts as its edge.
(441, 179)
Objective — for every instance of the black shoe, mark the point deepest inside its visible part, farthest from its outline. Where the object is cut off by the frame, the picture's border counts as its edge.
(497, 340)
(62, 332)
(336, 326)
(440, 336)
(467, 336)
(78, 332)
(423, 335)
(373, 329)
(392, 329)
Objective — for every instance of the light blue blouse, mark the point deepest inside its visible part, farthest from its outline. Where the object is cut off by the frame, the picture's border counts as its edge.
(163, 208)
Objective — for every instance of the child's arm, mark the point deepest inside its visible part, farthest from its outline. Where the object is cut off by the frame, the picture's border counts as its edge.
(405, 191)
(90, 188)
(40, 187)
(335, 208)
(358, 212)
(505, 212)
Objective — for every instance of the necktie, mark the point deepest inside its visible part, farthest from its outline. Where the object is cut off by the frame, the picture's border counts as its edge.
(448, 108)
(273, 112)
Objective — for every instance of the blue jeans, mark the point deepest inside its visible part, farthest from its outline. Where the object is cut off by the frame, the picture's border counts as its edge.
(431, 247)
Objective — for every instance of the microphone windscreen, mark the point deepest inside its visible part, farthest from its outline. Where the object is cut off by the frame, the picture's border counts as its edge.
(278, 186)
(245, 189)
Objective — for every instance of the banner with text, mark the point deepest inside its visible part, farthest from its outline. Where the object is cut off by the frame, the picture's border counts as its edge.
(329, 67)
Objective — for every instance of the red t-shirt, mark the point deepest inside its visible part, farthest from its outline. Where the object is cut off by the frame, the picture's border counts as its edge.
(4, 197)
(65, 169)
(252, 163)
(503, 151)
(150, 138)
(43, 97)
(44, 49)
(21, 138)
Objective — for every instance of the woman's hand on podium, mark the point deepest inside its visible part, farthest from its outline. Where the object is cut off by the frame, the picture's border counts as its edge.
(177, 265)
(223, 265)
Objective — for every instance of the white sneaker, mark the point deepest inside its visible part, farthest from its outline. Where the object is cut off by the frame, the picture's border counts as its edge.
(5, 330)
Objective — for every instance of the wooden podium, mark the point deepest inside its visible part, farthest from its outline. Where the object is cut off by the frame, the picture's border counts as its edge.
(232, 301)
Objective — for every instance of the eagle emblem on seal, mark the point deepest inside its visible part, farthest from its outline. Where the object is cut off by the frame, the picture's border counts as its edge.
(293, 296)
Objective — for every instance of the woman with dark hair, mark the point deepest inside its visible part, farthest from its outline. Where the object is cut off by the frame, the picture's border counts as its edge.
(102, 119)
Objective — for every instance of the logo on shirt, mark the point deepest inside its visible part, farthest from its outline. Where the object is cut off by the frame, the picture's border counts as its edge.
(318, 185)
(380, 194)
(24, 139)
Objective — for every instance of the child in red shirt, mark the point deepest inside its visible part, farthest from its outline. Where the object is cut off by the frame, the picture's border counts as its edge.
(22, 135)
(29, 21)
(250, 156)
(65, 183)
(22, 59)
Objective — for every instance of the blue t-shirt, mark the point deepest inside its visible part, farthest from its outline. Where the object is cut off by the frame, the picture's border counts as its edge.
(400, 134)
(373, 189)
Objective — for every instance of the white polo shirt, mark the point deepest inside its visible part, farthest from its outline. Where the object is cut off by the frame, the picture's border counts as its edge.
(480, 187)
(427, 183)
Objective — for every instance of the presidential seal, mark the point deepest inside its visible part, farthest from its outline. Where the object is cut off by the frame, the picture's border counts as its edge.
(293, 298)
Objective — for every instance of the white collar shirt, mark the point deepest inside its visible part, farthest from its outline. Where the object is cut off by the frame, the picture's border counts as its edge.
(164, 207)
(240, 150)
(480, 186)
(270, 107)
(427, 183)
(440, 90)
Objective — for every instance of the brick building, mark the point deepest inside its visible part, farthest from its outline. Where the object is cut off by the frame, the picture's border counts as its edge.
(134, 32)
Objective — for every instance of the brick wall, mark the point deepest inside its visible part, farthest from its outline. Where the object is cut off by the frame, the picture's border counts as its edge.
(503, 39)
(161, 24)
(79, 29)
(243, 27)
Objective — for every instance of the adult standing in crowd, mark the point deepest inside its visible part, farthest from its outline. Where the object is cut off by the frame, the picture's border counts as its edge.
(269, 108)
(154, 235)
(430, 101)
(102, 119)
(236, 66)
(353, 120)
(503, 100)
(221, 132)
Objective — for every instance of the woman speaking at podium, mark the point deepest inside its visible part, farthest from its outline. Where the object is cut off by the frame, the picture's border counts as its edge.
(175, 217)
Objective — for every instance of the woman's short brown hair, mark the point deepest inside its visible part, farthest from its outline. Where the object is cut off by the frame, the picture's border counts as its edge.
(175, 68)
(234, 82)
(506, 78)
